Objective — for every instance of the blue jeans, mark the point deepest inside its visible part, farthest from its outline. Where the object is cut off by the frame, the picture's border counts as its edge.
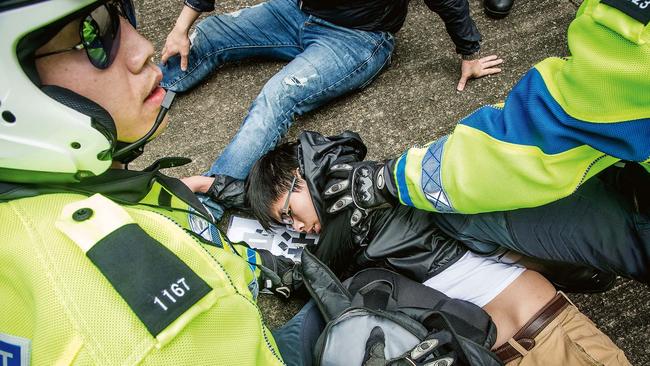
(326, 61)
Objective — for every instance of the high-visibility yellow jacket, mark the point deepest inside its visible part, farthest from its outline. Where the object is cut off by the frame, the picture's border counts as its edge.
(565, 121)
(70, 257)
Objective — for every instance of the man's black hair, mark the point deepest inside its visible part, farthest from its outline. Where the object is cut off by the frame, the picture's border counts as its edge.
(270, 178)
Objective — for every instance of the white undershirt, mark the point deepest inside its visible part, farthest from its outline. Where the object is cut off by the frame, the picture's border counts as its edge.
(475, 279)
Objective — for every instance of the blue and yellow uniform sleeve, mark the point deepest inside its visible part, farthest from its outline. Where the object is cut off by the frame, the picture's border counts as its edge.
(562, 123)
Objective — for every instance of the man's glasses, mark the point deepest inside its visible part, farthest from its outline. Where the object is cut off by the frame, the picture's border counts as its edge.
(285, 214)
(99, 32)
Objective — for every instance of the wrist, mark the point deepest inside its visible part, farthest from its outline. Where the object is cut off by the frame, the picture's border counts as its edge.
(206, 184)
(390, 187)
(180, 30)
(185, 20)
(471, 57)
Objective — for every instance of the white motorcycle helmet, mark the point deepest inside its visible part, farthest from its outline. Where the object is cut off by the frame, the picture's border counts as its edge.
(49, 134)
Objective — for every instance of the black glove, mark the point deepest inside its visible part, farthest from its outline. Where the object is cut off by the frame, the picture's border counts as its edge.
(228, 192)
(280, 274)
(421, 355)
(367, 184)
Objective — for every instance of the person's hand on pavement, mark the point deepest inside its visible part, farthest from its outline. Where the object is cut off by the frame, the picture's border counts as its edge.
(474, 69)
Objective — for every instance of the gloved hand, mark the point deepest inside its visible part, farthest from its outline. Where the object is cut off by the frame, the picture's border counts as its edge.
(228, 192)
(365, 184)
(421, 355)
(280, 274)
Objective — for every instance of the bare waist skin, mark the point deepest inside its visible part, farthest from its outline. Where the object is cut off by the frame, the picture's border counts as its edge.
(517, 304)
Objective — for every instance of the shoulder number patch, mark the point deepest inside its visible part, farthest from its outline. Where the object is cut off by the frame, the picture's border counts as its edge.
(14, 351)
(637, 9)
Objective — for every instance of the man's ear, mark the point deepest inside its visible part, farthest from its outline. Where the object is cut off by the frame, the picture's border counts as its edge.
(300, 180)
(300, 184)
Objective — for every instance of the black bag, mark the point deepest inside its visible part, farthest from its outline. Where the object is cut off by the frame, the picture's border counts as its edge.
(405, 311)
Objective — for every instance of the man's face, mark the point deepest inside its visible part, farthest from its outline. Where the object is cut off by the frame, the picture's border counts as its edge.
(300, 207)
(128, 89)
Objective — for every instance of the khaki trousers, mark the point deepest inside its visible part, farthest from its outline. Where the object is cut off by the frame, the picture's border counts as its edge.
(570, 339)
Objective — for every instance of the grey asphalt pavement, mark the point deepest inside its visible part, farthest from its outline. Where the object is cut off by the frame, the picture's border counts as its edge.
(413, 102)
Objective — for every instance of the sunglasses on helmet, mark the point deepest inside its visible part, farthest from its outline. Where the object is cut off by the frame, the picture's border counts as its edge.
(99, 32)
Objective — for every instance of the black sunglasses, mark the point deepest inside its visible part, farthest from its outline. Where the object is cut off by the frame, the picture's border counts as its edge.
(99, 32)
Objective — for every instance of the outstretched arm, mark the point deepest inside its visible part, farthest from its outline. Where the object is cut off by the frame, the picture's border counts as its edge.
(565, 121)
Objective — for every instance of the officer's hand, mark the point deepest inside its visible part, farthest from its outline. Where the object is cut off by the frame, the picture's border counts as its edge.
(421, 355)
(474, 69)
(362, 184)
(375, 345)
(222, 189)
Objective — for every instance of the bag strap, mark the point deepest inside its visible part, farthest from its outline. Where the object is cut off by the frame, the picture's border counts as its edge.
(330, 295)
(423, 304)
(377, 295)
(406, 292)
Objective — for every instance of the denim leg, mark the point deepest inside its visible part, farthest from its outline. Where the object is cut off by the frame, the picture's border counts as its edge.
(335, 61)
(270, 30)
(297, 338)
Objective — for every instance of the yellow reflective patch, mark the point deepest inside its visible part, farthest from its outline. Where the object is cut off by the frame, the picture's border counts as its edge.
(646, 166)
(87, 221)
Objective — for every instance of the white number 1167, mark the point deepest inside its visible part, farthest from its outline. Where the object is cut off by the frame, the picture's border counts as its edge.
(176, 290)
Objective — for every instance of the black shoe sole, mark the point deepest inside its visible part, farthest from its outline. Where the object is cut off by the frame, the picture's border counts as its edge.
(496, 14)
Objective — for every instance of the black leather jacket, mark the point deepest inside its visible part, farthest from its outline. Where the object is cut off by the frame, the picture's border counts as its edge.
(401, 238)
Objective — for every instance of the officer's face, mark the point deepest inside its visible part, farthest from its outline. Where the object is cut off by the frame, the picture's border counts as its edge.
(301, 208)
(128, 89)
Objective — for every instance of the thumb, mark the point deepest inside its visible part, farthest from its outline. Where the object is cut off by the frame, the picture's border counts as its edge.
(375, 348)
(165, 56)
